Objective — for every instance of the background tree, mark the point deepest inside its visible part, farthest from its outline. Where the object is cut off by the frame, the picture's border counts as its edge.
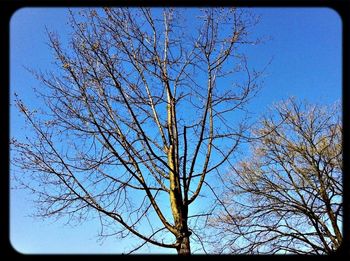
(137, 115)
(287, 197)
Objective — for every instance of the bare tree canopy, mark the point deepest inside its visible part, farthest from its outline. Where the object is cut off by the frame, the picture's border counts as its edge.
(138, 113)
(287, 197)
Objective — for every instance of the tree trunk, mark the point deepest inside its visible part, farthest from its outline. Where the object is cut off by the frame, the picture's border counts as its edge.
(184, 247)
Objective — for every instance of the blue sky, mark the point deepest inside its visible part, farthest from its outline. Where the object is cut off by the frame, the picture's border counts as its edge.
(305, 46)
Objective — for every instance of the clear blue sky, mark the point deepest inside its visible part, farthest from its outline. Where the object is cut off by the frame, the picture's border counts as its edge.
(306, 51)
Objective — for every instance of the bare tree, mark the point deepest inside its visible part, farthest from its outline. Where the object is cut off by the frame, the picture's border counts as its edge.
(138, 114)
(287, 197)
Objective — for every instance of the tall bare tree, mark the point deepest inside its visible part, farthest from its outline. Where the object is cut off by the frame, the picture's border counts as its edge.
(287, 197)
(139, 112)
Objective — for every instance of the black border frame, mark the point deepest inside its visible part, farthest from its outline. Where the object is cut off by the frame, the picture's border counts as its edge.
(9, 7)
